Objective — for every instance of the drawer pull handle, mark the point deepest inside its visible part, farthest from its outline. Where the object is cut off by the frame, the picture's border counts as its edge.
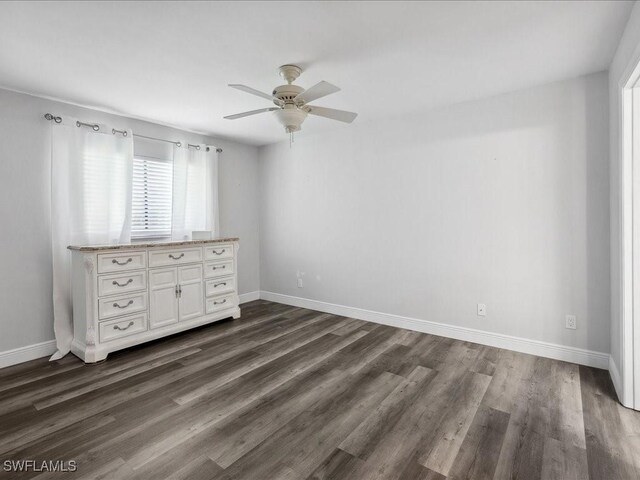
(220, 303)
(122, 284)
(176, 258)
(218, 284)
(123, 306)
(129, 260)
(118, 327)
(216, 268)
(220, 252)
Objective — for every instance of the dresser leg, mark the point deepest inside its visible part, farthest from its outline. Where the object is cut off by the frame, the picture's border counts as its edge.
(91, 355)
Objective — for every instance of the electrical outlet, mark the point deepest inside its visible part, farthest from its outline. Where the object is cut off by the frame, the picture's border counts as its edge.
(300, 283)
(571, 322)
(482, 310)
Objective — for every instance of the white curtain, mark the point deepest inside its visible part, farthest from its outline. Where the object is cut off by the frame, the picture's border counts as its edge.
(91, 173)
(195, 191)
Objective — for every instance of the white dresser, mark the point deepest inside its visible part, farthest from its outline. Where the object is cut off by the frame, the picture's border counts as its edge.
(124, 295)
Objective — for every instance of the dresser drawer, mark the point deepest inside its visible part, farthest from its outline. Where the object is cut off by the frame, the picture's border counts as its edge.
(122, 283)
(116, 306)
(177, 256)
(218, 269)
(123, 327)
(221, 303)
(218, 252)
(121, 261)
(219, 286)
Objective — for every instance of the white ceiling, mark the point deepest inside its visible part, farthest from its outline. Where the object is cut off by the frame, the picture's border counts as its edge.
(170, 62)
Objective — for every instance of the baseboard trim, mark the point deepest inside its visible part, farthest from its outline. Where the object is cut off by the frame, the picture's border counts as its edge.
(518, 344)
(24, 354)
(249, 297)
(616, 379)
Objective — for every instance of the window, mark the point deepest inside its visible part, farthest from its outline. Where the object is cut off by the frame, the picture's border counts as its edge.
(152, 198)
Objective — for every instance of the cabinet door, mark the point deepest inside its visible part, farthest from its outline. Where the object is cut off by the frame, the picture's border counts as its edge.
(163, 297)
(192, 297)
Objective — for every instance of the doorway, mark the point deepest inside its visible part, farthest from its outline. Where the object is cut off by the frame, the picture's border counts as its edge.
(630, 327)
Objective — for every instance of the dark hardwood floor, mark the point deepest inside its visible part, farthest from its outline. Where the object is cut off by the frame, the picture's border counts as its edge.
(289, 393)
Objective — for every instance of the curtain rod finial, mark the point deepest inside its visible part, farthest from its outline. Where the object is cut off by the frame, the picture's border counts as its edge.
(50, 117)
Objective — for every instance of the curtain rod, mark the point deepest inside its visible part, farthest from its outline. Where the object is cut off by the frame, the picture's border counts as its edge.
(95, 127)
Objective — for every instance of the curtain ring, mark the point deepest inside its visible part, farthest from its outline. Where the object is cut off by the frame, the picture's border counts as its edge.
(95, 128)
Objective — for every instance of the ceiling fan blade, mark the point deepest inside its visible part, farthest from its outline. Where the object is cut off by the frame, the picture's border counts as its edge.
(332, 113)
(319, 90)
(253, 91)
(252, 112)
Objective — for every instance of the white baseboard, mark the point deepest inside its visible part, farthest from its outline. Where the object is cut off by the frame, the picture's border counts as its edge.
(616, 379)
(249, 297)
(24, 354)
(518, 344)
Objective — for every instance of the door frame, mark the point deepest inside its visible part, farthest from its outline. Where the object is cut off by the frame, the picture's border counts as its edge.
(629, 143)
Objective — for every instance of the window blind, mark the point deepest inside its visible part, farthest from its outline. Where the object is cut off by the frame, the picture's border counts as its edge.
(152, 198)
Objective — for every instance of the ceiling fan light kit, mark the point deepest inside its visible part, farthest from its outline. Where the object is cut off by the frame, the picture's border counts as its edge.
(291, 101)
(290, 118)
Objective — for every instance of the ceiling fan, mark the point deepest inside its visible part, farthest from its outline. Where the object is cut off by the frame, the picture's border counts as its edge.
(292, 101)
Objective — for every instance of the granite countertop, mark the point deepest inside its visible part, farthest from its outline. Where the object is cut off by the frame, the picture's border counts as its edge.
(133, 246)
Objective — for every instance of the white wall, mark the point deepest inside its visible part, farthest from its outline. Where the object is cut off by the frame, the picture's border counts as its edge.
(626, 57)
(502, 201)
(25, 258)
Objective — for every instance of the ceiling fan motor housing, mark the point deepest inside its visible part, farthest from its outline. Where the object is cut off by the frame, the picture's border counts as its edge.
(287, 93)
(290, 116)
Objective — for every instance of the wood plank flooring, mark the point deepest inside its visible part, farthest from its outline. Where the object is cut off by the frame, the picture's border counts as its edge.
(289, 393)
